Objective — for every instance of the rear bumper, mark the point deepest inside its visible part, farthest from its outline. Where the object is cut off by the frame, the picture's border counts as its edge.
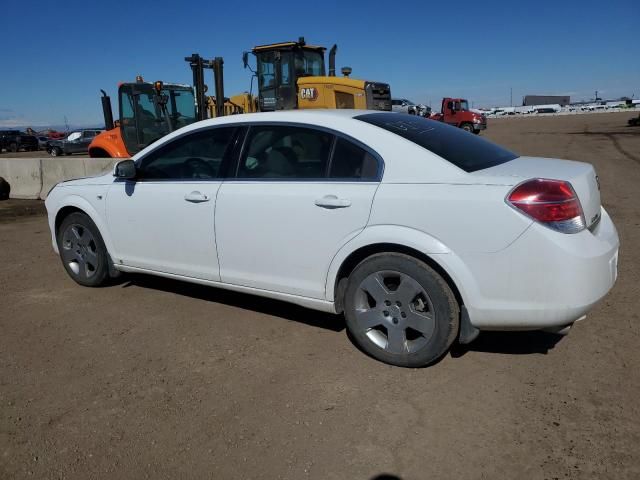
(543, 280)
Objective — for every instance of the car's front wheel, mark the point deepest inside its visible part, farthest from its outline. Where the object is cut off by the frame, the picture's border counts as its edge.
(400, 311)
(55, 151)
(82, 250)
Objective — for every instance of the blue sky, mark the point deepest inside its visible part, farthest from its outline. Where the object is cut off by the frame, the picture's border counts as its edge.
(55, 56)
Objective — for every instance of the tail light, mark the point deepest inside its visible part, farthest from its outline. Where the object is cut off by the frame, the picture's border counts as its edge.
(553, 203)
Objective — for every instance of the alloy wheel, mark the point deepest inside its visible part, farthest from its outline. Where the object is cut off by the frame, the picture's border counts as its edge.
(395, 312)
(79, 251)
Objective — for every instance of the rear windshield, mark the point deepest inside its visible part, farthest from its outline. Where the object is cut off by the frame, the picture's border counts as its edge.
(465, 150)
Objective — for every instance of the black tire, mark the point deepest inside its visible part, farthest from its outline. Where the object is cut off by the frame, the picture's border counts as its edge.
(419, 348)
(13, 147)
(467, 127)
(82, 249)
(55, 152)
(5, 189)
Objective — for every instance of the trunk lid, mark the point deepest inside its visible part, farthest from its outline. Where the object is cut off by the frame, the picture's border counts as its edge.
(582, 177)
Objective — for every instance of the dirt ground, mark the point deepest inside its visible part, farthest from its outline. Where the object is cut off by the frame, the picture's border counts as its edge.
(152, 378)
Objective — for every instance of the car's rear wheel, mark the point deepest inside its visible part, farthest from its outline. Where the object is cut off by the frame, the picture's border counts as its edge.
(400, 311)
(82, 250)
(13, 147)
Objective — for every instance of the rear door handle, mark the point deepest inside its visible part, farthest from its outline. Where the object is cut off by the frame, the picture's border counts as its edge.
(331, 201)
(196, 197)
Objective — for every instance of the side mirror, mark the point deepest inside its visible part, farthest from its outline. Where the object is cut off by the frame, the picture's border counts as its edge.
(125, 169)
(245, 59)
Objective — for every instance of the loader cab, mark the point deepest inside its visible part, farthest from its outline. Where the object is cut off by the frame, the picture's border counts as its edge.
(149, 111)
(279, 66)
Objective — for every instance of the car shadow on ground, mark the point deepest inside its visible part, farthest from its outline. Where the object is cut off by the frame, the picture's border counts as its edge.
(244, 301)
(509, 343)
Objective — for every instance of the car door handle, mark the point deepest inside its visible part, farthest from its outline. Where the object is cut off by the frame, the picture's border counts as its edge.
(331, 201)
(196, 197)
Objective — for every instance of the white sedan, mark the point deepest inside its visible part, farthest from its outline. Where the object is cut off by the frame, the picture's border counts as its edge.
(421, 233)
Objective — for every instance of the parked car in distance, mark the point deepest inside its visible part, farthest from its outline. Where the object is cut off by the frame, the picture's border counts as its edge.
(15, 140)
(42, 142)
(403, 105)
(418, 232)
(76, 142)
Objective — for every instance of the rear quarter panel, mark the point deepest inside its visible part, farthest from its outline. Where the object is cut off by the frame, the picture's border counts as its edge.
(464, 218)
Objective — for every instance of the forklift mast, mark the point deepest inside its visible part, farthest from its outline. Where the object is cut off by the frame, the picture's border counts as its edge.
(198, 64)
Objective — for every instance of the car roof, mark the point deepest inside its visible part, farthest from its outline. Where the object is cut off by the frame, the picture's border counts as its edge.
(321, 115)
(329, 118)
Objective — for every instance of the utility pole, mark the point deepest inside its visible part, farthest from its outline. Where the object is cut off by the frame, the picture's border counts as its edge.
(511, 97)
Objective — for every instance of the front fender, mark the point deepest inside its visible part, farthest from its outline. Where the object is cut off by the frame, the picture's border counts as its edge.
(110, 142)
(73, 200)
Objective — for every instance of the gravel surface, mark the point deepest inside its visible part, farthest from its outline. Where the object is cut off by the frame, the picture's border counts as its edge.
(152, 378)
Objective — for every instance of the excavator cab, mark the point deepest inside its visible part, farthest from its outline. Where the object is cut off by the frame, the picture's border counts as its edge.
(279, 66)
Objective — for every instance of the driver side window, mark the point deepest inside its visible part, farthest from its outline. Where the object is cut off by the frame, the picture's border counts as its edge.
(195, 156)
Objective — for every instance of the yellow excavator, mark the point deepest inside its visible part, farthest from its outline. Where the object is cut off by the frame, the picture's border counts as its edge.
(292, 75)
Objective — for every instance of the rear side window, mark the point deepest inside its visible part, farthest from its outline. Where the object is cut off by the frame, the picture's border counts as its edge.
(351, 161)
(466, 151)
(284, 152)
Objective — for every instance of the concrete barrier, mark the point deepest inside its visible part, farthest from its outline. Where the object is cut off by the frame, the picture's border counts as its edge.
(24, 176)
(34, 177)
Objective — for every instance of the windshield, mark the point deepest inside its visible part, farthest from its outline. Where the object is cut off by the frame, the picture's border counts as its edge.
(309, 63)
(463, 149)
